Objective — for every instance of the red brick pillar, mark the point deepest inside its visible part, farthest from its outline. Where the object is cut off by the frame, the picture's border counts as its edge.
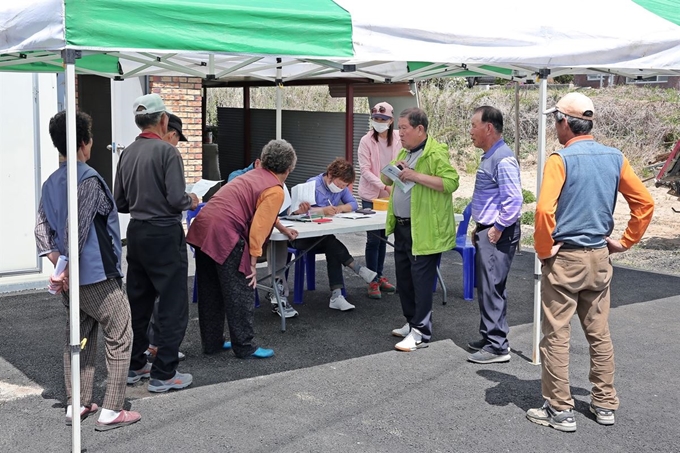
(183, 96)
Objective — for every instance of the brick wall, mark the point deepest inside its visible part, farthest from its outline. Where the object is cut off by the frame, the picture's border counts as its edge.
(183, 96)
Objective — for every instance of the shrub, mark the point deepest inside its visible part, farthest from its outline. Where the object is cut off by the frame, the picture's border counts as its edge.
(527, 218)
(459, 204)
(564, 79)
(640, 121)
(528, 196)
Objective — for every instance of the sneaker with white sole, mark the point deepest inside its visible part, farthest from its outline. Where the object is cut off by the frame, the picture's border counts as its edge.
(340, 303)
(177, 382)
(135, 376)
(288, 311)
(403, 331)
(484, 357)
(367, 274)
(603, 416)
(547, 416)
(412, 341)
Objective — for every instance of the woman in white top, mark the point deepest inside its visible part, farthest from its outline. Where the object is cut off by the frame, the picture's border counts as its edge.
(377, 149)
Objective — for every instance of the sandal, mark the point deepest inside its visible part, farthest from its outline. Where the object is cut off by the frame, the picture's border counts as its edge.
(89, 410)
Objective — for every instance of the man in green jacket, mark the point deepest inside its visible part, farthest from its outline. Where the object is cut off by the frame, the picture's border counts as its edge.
(421, 218)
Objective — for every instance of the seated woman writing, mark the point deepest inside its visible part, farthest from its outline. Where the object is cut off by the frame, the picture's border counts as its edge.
(333, 197)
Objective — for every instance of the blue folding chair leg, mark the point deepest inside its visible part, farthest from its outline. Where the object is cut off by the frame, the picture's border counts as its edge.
(469, 278)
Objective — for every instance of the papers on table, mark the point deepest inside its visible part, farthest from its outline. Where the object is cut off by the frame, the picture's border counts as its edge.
(392, 172)
(201, 187)
(302, 217)
(301, 193)
(352, 215)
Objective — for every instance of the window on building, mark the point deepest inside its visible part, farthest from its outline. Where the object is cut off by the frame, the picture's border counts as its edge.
(652, 79)
(595, 77)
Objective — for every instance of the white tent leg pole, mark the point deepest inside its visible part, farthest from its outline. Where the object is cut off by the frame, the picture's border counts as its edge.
(74, 277)
(542, 101)
(519, 244)
(279, 88)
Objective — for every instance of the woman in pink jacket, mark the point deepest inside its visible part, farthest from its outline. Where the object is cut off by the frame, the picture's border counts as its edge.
(377, 149)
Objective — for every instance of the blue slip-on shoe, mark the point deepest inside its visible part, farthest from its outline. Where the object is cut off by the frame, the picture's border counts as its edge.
(262, 353)
(226, 345)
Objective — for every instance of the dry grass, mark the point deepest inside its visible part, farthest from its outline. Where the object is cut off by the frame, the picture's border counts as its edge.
(641, 121)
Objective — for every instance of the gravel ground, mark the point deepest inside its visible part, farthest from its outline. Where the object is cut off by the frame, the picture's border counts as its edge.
(659, 249)
(654, 254)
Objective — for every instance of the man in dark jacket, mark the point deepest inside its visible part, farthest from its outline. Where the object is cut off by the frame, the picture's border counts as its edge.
(150, 186)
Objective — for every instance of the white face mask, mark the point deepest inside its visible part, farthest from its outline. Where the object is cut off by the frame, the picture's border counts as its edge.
(334, 188)
(380, 127)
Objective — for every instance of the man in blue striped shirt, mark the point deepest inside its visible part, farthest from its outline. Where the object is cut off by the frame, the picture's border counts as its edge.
(496, 209)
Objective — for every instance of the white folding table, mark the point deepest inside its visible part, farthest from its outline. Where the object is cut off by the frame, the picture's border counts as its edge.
(338, 225)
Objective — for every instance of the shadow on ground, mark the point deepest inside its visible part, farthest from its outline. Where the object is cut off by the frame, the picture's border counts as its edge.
(35, 326)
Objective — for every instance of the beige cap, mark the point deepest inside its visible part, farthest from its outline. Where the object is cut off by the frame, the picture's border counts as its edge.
(576, 105)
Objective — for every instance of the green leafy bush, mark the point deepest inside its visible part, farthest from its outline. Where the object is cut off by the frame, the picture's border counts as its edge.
(527, 218)
(460, 203)
(528, 196)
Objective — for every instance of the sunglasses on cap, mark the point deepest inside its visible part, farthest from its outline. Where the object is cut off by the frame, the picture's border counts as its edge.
(380, 109)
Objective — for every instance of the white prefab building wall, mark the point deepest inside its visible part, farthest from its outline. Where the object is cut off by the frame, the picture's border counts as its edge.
(27, 158)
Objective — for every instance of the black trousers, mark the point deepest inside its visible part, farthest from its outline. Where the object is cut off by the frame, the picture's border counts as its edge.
(493, 265)
(157, 266)
(223, 290)
(336, 253)
(415, 276)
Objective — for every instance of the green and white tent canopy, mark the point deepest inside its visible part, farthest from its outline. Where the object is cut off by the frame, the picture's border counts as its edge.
(281, 40)
(242, 39)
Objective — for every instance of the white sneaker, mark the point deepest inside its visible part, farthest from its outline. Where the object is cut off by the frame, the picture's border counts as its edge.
(413, 341)
(402, 332)
(367, 274)
(340, 303)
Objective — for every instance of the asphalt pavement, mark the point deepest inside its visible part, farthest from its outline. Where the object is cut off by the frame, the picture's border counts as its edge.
(336, 384)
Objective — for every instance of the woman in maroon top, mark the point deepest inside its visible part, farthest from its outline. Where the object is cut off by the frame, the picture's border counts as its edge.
(229, 234)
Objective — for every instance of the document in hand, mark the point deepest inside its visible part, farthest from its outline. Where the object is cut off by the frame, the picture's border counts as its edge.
(202, 187)
(301, 193)
(286, 200)
(392, 172)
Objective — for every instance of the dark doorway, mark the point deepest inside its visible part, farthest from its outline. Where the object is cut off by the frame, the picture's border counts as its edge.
(94, 98)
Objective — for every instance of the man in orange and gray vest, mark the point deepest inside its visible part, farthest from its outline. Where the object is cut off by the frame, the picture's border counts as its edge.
(574, 221)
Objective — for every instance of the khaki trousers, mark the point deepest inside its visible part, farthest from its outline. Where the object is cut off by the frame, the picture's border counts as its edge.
(577, 280)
